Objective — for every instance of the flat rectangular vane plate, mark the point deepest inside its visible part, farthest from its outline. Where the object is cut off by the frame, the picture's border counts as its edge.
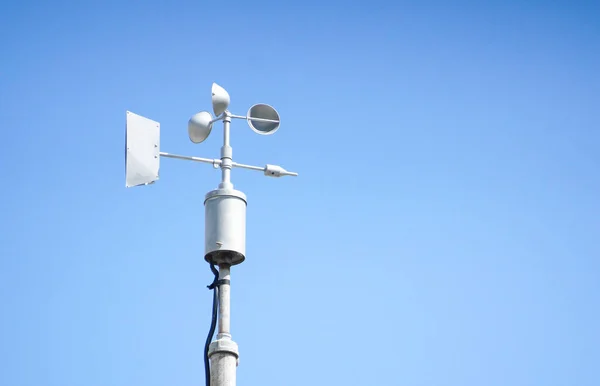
(142, 150)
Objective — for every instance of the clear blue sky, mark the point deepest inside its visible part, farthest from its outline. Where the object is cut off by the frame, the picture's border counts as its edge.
(443, 230)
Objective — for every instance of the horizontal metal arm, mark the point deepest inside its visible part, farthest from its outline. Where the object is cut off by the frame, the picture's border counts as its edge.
(242, 166)
(219, 118)
(255, 119)
(188, 158)
(268, 170)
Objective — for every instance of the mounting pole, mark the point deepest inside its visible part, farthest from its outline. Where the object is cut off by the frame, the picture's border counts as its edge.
(226, 154)
(223, 352)
(225, 246)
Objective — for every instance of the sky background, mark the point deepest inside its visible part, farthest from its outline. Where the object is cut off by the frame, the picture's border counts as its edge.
(443, 230)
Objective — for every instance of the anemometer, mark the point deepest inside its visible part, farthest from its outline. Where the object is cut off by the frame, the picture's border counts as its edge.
(225, 208)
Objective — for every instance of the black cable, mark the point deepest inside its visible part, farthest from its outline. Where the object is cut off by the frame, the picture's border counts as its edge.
(213, 323)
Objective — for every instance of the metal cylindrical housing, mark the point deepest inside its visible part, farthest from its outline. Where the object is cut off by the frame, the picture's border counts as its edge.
(225, 227)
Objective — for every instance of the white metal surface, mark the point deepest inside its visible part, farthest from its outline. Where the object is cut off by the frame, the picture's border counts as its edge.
(223, 352)
(277, 171)
(263, 119)
(269, 170)
(199, 126)
(223, 355)
(226, 155)
(224, 330)
(225, 227)
(220, 99)
(142, 148)
(245, 117)
(250, 167)
(188, 158)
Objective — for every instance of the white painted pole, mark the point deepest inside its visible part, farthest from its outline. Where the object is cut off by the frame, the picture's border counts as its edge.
(223, 352)
(226, 154)
(224, 302)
